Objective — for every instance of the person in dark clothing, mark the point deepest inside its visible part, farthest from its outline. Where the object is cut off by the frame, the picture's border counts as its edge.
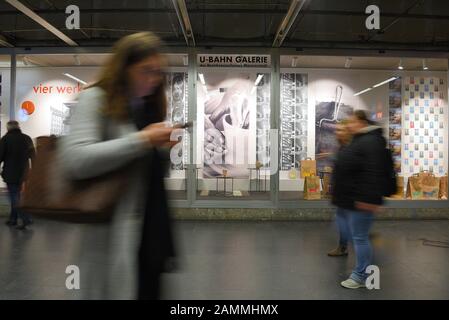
(344, 138)
(16, 151)
(359, 178)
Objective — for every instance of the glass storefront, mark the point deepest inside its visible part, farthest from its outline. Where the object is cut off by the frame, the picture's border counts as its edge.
(263, 131)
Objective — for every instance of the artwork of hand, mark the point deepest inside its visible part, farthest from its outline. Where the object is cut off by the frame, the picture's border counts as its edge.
(226, 121)
(214, 143)
(234, 102)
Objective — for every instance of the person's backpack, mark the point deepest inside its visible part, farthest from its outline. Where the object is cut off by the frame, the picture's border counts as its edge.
(390, 184)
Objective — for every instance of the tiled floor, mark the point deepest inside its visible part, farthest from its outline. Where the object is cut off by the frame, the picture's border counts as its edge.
(242, 260)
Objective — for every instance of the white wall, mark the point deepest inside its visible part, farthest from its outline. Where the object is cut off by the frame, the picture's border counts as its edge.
(4, 114)
(47, 88)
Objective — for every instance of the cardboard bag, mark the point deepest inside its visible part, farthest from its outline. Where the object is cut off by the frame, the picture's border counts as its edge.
(414, 188)
(430, 187)
(443, 188)
(308, 168)
(312, 188)
(326, 184)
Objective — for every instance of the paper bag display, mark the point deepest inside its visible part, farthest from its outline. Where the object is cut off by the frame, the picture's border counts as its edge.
(312, 188)
(326, 185)
(414, 188)
(430, 187)
(443, 188)
(308, 168)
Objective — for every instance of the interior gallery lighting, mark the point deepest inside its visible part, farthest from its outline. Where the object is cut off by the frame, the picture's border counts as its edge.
(201, 76)
(400, 67)
(74, 78)
(376, 85)
(363, 91)
(424, 65)
(384, 82)
(259, 77)
(256, 83)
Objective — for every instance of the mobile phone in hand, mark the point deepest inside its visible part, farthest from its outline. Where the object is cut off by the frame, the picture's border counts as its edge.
(184, 125)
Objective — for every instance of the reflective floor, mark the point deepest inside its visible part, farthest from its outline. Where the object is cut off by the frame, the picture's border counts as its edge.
(243, 260)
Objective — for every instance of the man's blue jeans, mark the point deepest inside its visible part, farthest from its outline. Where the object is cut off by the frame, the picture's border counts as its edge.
(359, 224)
(14, 198)
(343, 227)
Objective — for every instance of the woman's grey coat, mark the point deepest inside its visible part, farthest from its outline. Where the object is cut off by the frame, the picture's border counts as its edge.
(85, 153)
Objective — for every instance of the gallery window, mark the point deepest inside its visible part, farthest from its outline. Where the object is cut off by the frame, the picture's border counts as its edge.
(319, 93)
(233, 127)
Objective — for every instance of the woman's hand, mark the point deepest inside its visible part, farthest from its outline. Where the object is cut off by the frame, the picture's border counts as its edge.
(158, 135)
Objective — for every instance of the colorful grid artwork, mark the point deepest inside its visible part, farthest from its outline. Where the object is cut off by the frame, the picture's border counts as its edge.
(424, 125)
(395, 134)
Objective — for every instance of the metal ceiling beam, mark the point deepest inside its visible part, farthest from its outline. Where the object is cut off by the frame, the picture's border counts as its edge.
(287, 22)
(5, 43)
(398, 17)
(184, 20)
(360, 13)
(242, 11)
(44, 23)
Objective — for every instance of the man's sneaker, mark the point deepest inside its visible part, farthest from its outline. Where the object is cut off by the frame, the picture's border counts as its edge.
(352, 284)
(340, 251)
(23, 226)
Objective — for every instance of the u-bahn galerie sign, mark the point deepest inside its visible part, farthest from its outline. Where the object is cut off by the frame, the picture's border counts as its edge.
(234, 60)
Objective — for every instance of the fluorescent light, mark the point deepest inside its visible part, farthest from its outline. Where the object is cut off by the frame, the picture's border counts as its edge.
(424, 65)
(363, 91)
(400, 67)
(259, 77)
(74, 78)
(201, 76)
(348, 62)
(384, 82)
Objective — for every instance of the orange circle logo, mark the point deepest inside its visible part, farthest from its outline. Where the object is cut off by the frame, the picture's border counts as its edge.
(28, 107)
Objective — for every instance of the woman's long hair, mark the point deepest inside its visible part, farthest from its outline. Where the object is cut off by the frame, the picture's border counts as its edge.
(114, 76)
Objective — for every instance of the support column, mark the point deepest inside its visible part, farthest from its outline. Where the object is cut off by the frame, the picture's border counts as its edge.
(12, 89)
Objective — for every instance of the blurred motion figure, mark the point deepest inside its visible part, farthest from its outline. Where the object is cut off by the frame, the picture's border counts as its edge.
(118, 124)
(16, 151)
(359, 186)
(344, 138)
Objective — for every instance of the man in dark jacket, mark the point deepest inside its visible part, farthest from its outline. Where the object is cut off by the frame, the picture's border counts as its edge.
(16, 151)
(359, 186)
